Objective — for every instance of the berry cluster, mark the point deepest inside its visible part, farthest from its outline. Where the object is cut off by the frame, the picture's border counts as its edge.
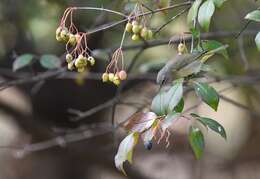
(115, 78)
(63, 35)
(139, 31)
(80, 62)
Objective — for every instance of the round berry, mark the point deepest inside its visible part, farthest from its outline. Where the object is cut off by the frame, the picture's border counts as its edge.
(144, 33)
(111, 77)
(64, 35)
(58, 31)
(71, 66)
(72, 39)
(69, 58)
(105, 77)
(122, 75)
(135, 37)
(92, 61)
(150, 34)
(181, 48)
(129, 27)
(117, 82)
(136, 29)
(58, 38)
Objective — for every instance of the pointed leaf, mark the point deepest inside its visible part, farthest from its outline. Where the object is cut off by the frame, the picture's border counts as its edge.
(196, 140)
(193, 12)
(179, 108)
(125, 151)
(50, 61)
(157, 105)
(174, 95)
(254, 16)
(22, 61)
(206, 11)
(210, 45)
(212, 124)
(208, 94)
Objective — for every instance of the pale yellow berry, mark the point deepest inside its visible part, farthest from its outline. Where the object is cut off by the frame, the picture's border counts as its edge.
(129, 27)
(79, 63)
(85, 61)
(64, 35)
(135, 37)
(72, 40)
(150, 34)
(144, 33)
(71, 66)
(92, 61)
(58, 31)
(181, 48)
(122, 75)
(136, 29)
(105, 77)
(111, 76)
(69, 58)
(117, 82)
(58, 38)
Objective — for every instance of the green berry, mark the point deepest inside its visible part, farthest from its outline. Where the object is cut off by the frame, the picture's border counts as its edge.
(117, 82)
(129, 27)
(135, 37)
(150, 34)
(64, 35)
(105, 77)
(69, 58)
(144, 33)
(136, 29)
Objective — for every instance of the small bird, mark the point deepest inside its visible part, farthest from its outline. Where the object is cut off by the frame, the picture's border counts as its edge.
(180, 61)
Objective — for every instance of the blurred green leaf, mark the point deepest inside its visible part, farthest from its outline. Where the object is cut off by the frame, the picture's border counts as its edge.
(196, 140)
(253, 16)
(212, 124)
(257, 40)
(219, 3)
(193, 12)
(206, 11)
(209, 45)
(50, 61)
(22, 61)
(208, 94)
(179, 108)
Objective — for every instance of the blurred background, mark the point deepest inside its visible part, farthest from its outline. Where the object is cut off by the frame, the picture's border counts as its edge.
(40, 112)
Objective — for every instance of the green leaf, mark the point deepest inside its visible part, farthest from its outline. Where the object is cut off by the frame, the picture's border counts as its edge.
(196, 140)
(179, 108)
(219, 3)
(206, 11)
(22, 61)
(125, 151)
(208, 94)
(169, 119)
(174, 95)
(165, 102)
(253, 16)
(50, 61)
(193, 12)
(212, 124)
(257, 40)
(210, 45)
(157, 105)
